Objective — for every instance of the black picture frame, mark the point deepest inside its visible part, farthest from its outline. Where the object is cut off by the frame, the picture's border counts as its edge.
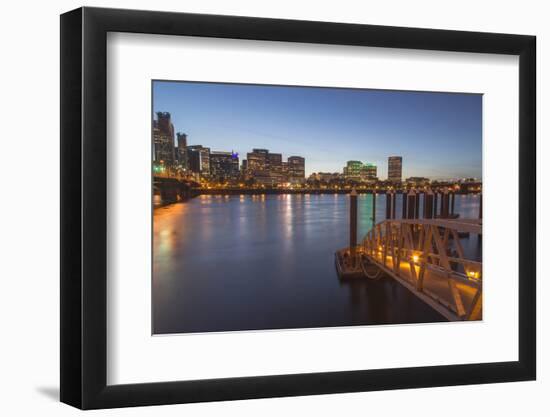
(84, 207)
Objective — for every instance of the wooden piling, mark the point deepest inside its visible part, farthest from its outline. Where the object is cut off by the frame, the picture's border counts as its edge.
(452, 203)
(411, 204)
(404, 214)
(480, 214)
(417, 205)
(428, 204)
(353, 225)
(373, 208)
(444, 205)
(388, 205)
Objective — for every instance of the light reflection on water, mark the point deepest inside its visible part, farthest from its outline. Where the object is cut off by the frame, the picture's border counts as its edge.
(225, 263)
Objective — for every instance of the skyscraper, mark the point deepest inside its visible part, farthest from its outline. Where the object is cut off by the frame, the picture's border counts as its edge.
(275, 161)
(163, 139)
(181, 150)
(358, 171)
(257, 162)
(199, 159)
(368, 172)
(395, 169)
(296, 169)
(353, 169)
(224, 165)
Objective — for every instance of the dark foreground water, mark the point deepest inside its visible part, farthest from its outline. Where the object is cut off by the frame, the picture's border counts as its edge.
(223, 263)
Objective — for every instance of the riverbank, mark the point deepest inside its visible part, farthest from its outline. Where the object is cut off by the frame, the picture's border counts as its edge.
(259, 191)
(159, 202)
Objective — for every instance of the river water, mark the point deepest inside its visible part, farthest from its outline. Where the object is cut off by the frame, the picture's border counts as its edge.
(225, 263)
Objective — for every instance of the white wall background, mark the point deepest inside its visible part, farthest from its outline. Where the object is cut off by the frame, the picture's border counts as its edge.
(29, 218)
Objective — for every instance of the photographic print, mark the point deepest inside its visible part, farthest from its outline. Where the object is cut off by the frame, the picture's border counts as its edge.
(291, 207)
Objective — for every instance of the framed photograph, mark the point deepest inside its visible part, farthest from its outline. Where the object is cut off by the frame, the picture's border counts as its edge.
(258, 208)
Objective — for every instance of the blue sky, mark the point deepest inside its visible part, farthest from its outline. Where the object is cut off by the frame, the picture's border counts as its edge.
(439, 135)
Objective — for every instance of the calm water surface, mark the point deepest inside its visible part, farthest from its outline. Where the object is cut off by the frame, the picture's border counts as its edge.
(223, 263)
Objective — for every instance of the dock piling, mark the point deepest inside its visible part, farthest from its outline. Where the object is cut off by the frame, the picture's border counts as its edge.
(353, 225)
(417, 204)
(388, 205)
(411, 204)
(428, 204)
(444, 204)
(373, 208)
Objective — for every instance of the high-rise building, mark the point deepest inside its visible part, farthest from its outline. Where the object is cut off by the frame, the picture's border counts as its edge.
(199, 159)
(395, 169)
(163, 139)
(284, 169)
(358, 171)
(353, 169)
(181, 150)
(257, 162)
(275, 161)
(224, 165)
(296, 169)
(368, 172)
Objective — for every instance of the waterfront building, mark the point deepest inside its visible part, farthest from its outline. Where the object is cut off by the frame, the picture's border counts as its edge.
(268, 179)
(358, 171)
(368, 172)
(266, 168)
(257, 162)
(325, 176)
(417, 181)
(181, 151)
(224, 165)
(469, 185)
(275, 161)
(199, 159)
(163, 139)
(296, 169)
(352, 170)
(395, 169)
(284, 169)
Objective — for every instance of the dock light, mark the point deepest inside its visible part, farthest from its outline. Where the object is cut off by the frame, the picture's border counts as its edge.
(415, 258)
(472, 274)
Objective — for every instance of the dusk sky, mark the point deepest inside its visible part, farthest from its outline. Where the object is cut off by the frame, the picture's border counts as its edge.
(439, 135)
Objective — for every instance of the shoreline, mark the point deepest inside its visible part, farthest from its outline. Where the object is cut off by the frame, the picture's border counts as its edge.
(237, 192)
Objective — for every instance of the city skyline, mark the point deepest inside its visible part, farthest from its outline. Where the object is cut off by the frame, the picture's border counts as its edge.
(439, 134)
